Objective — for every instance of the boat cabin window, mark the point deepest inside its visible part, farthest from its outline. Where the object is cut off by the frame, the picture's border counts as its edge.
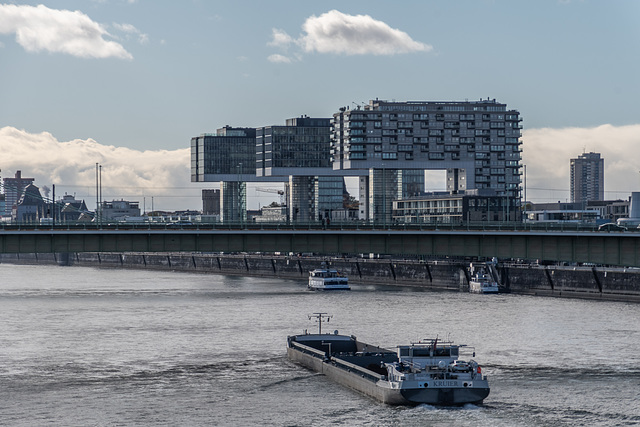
(404, 352)
(454, 351)
(421, 352)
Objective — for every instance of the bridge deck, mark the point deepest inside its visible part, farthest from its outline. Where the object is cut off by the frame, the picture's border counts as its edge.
(622, 249)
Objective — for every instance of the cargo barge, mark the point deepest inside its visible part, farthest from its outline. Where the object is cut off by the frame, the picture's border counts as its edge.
(426, 372)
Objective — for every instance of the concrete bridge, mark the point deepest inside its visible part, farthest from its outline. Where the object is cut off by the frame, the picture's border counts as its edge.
(616, 248)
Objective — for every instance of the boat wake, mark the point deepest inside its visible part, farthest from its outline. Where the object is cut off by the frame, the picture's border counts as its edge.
(287, 381)
(593, 371)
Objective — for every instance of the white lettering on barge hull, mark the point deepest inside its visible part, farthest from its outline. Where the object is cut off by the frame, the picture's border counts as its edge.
(445, 383)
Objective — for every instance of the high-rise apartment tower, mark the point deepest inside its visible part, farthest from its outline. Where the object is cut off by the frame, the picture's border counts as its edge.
(587, 178)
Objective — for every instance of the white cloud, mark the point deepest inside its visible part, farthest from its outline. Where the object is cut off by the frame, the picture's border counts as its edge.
(165, 174)
(62, 31)
(279, 58)
(126, 174)
(131, 30)
(336, 32)
(547, 153)
(126, 28)
(339, 33)
(280, 38)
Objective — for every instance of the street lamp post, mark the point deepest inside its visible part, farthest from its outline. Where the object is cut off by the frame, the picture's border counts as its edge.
(240, 216)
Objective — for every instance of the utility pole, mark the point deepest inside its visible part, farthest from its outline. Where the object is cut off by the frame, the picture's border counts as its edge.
(100, 194)
(239, 195)
(525, 188)
(97, 195)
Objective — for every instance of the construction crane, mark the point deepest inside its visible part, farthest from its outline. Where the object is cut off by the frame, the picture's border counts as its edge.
(274, 191)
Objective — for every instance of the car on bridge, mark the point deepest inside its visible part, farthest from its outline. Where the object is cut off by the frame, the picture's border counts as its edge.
(611, 226)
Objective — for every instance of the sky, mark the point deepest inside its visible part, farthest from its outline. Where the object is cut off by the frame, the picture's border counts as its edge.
(127, 83)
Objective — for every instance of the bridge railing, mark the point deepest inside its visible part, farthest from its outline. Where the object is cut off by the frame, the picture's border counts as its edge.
(315, 225)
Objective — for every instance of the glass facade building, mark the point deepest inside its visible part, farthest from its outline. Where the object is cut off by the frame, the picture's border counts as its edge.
(388, 145)
(226, 155)
(301, 147)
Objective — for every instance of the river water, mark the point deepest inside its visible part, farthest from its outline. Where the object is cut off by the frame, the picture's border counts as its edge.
(109, 347)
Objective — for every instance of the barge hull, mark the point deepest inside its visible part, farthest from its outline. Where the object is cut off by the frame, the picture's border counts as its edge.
(356, 380)
(348, 379)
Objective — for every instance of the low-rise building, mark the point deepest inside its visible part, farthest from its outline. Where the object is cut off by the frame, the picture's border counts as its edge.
(589, 212)
(272, 214)
(455, 207)
(119, 209)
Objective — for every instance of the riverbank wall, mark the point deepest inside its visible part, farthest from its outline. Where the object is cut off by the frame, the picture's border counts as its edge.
(607, 283)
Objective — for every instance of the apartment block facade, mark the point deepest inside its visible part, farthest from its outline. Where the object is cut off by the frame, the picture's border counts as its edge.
(477, 143)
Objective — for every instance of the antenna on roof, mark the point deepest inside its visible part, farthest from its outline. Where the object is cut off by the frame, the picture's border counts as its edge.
(320, 317)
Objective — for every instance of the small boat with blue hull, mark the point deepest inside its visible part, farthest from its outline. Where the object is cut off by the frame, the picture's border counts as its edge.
(427, 372)
(323, 279)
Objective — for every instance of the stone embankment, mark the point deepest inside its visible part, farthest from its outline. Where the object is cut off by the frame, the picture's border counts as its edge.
(621, 284)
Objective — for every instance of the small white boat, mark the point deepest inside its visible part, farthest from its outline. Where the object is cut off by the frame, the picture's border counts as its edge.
(322, 279)
(481, 282)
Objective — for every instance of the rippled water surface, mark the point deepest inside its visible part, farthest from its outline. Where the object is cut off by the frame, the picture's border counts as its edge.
(82, 346)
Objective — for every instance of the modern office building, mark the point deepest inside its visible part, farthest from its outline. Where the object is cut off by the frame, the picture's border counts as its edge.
(388, 145)
(228, 156)
(454, 208)
(303, 143)
(476, 142)
(13, 189)
(313, 198)
(587, 178)
(300, 151)
(210, 202)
